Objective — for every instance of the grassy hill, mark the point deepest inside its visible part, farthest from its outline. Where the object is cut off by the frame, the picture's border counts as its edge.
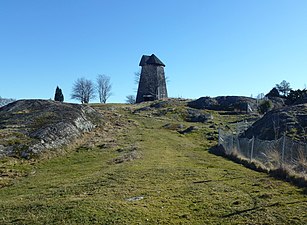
(137, 168)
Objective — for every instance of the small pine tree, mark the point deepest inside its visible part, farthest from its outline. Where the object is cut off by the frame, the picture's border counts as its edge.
(58, 95)
(283, 88)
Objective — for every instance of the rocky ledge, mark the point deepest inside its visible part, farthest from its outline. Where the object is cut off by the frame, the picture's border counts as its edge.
(30, 127)
(226, 103)
(290, 120)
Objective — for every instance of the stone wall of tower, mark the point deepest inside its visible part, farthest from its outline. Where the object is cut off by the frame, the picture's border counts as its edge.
(152, 83)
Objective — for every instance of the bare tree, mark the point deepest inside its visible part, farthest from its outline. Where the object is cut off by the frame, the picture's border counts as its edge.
(137, 77)
(104, 87)
(260, 96)
(130, 99)
(83, 90)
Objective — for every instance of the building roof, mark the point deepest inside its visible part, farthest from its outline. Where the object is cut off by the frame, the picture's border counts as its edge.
(144, 60)
(153, 60)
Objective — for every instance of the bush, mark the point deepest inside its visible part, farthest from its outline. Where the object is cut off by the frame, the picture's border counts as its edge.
(130, 99)
(264, 106)
(296, 97)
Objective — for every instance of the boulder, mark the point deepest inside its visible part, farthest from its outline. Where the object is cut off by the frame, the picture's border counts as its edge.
(189, 130)
(195, 115)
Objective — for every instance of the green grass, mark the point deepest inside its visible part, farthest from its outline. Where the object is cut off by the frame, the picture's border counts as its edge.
(178, 180)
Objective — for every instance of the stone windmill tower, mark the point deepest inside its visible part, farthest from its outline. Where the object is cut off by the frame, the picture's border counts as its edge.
(152, 84)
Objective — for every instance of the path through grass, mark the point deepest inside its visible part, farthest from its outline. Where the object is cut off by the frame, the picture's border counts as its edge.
(171, 180)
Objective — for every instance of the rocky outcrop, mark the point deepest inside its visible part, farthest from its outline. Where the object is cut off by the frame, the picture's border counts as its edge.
(226, 103)
(291, 120)
(277, 102)
(178, 107)
(30, 127)
(195, 115)
(189, 130)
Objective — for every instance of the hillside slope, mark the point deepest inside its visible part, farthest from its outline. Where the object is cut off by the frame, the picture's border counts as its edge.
(138, 169)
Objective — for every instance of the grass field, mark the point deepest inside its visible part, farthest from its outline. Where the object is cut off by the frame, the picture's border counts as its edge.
(134, 171)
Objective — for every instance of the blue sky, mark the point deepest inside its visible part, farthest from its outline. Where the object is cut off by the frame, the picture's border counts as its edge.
(210, 48)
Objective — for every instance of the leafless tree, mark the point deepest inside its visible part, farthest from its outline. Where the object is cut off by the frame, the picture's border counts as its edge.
(137, 76)
(104, 87)
(130, 99)
(83, 90)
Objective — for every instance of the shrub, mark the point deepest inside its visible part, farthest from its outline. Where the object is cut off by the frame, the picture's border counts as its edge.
(264, 106)
(296, 97)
